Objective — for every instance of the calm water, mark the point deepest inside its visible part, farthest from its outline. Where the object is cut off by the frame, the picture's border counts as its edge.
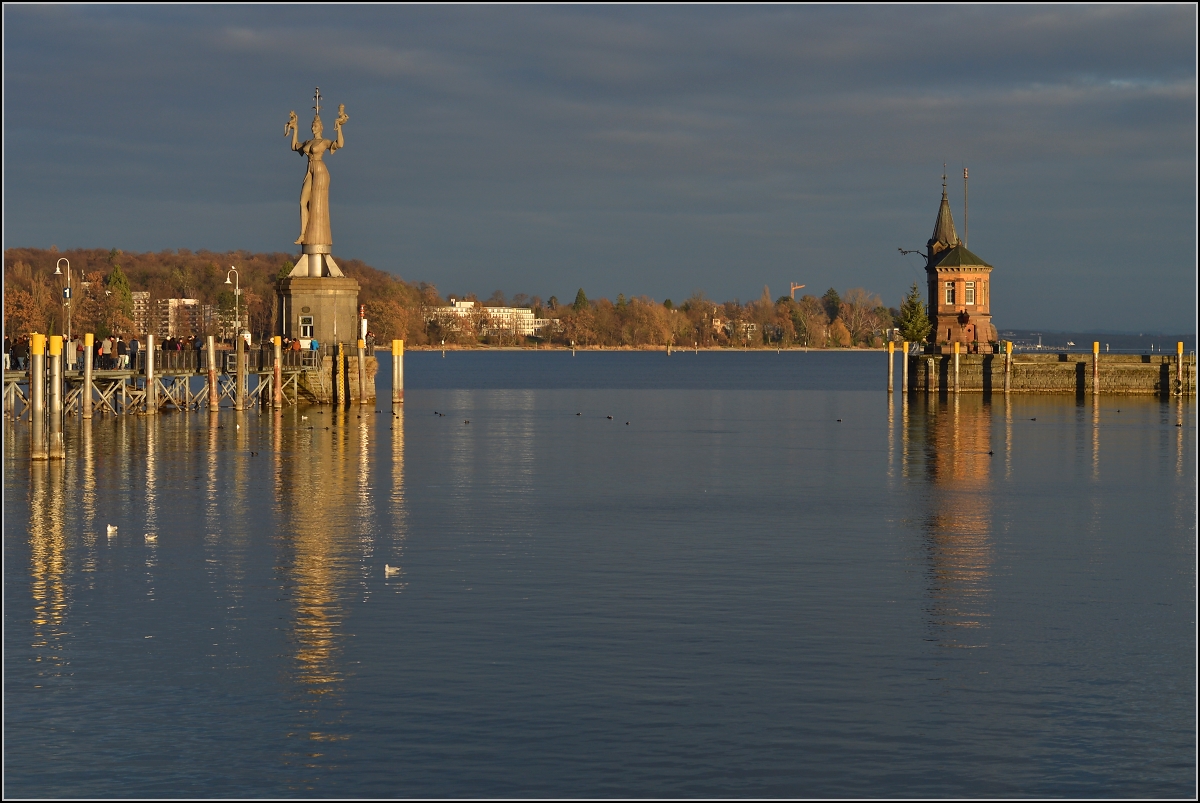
(732, 594)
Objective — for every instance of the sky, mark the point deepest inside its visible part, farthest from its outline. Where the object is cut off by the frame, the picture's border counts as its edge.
(644, 150)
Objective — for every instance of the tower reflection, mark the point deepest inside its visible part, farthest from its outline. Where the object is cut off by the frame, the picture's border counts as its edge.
(956, 434)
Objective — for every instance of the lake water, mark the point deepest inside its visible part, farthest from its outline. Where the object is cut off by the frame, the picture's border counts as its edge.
(630, 574)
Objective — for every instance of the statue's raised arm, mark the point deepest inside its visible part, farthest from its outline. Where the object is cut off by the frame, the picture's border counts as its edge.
(337, 124)
(291, 125)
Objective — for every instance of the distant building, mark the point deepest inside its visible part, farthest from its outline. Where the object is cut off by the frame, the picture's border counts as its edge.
(960, 294)
(180, 317)
(141, 311)
(491, 320)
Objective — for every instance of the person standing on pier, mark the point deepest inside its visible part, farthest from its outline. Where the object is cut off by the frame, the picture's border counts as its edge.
(7, 351)
(134, 348)
(122, 353)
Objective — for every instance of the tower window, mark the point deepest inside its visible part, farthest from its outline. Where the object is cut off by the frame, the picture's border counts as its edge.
(306, 326)
(949, 293)
(969, 293)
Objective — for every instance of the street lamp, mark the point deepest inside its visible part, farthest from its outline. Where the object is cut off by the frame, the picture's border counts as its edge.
(66, 291)
(237, 292)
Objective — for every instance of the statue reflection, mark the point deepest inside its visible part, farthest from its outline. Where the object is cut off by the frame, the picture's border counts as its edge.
(324, 502)
(48, 561)
(957, 445)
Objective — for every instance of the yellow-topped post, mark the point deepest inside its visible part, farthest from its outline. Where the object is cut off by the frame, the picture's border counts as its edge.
(1179, 367)
(55, 378)
(1007, 365)
(89, 342)
(956, 351)
(1095, 367)
(397, 372)
(277, 376)
(37, 397)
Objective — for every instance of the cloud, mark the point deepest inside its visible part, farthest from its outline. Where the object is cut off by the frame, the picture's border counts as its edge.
(676, 147)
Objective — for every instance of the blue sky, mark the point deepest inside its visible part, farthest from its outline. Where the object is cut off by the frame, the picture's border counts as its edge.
(639, 149)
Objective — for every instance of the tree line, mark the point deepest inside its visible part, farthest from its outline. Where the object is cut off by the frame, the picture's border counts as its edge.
(103, 282)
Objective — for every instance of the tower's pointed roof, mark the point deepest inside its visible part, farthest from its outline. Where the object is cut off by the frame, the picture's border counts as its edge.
(944, 235)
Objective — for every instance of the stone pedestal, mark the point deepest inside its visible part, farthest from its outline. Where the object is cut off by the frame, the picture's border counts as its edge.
(330, 302)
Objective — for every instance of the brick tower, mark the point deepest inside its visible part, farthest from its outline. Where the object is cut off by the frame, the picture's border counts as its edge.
(960, 304)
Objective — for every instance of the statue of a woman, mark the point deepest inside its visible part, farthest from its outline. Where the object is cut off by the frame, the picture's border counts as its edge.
(314, 197)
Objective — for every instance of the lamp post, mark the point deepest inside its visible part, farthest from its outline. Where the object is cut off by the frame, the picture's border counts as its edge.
(237, 292)
(66, 292)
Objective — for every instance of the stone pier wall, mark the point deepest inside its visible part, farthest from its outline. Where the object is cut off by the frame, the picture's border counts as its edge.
(317, 389)
(1051, 373)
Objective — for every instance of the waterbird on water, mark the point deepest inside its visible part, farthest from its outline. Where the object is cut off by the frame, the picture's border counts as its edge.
(390, 571)
(112, 530)
(151, 538)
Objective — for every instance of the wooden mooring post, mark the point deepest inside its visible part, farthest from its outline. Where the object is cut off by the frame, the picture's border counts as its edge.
(1180, 388)
(56, 395)
(397, 372)
(1095, 368)
(214, 394)
(891, 363)
(1007, 365)
(277, 376)
(85, 406)
(957, 347)
(37, 397)
(239, 394)
(362, 371)
(151, 391)
(904, 366)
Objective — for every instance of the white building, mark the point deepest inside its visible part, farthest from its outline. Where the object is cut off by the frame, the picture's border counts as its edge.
(178, 317)
(492, 320)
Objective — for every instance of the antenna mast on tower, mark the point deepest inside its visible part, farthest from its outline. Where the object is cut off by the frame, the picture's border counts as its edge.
(966, 224)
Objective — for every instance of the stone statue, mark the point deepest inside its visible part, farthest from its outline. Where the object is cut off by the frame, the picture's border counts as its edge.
(314, 196)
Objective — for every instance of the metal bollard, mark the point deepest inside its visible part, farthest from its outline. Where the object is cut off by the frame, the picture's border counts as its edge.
(277, 387)
(37, 397)
(85, 406)
(397, 372)
(56, 406)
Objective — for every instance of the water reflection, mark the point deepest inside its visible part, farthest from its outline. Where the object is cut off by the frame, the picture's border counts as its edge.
(326, 534)
(956, 433)
(48, 562)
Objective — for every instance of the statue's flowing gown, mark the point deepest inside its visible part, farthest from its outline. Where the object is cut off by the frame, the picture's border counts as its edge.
(317, 231)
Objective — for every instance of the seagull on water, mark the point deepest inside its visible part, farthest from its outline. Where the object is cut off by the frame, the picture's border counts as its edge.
(112, 531)
(151, 538)
(390, 571)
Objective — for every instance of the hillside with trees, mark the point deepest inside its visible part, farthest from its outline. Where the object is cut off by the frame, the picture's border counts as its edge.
(103, 282)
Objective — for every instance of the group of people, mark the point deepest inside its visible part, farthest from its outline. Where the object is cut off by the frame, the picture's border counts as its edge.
(117, 352)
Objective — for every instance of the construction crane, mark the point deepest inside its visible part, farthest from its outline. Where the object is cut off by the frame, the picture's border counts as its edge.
(795, 287)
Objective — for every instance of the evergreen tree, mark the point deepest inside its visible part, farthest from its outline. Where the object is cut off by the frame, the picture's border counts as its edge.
(832, 302)
(914, 323)
(284, 270)
(118, 285)
(581, 301)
